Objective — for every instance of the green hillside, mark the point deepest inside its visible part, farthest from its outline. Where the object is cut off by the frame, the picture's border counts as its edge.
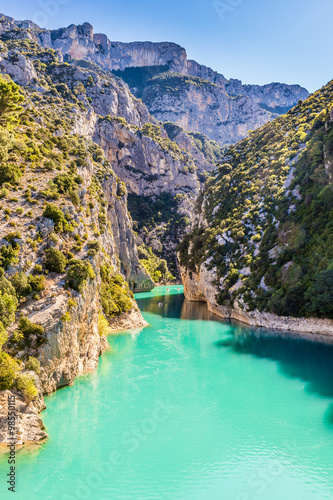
(269, 209)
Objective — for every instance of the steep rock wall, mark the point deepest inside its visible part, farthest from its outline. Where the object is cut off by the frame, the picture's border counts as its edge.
(199, 287)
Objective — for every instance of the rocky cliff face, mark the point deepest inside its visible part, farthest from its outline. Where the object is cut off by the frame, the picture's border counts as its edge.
(143, 164)
(201, 106)
(201, 287)
(222, 109)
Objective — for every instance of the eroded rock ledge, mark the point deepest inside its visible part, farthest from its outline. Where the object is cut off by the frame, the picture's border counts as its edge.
(198, 287)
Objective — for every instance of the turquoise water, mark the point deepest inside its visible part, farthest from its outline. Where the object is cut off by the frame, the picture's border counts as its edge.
(189, 408)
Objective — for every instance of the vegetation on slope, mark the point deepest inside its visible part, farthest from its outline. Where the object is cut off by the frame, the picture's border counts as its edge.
(269, 209)
(50, 227)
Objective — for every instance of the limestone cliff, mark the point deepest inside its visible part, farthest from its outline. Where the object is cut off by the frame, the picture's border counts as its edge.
(220, 108)
(200, 287)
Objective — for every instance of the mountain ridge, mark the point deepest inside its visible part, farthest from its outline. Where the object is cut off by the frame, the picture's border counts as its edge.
(216, 109)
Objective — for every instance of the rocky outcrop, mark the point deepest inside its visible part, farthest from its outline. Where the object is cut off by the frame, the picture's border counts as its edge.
(275, 97)
(128, 321)
(80, 42)
(142, 164)
(73, 346)
(124, 240)
(29, 427)
(200, 287)
(203, 107)
(18, 67)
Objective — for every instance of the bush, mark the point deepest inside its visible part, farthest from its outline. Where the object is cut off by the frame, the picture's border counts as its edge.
(103, 325)
(10, 173)
(37, 283)
(5, 285)
(94, 247)
(55, 260)
(26, 384)
(55, 213)
(10, 100)
(78, 273)
(66, 183)
(115, 296)
(21, 284)
(121, 189)
(3, 335)
(8, 305)
(75, 199)
(33, 364)
(27, 328)
(38, 269)
(8, 255)
(8, 371)
(49, 165)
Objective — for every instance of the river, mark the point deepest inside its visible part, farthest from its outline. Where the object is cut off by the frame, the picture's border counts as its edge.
(189, 408)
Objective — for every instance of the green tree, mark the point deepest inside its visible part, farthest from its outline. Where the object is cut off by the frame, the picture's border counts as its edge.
(320, 295)
(78, 273)
(55, 260)
(10, 100)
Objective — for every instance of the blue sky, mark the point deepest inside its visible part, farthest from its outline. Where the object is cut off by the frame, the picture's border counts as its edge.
(257, 41)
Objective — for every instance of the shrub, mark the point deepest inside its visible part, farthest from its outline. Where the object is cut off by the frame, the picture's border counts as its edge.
(8, 255)
(37, 283)
(5, 285)
(103, 325)
(66, 317)
(75, 199)
(21, 284)
(33, 364)
(49, 165)
(94, 247)
(115, 296)
(8, 305)
(121, 189)
(78, 273)
(26, 384)
(27, 328)
(55, 213)
(37, 269)
(55, 260)
(3, 335)
(320, 295)
(66, 183)
(9, 172)
(8, 371)
(10, 100)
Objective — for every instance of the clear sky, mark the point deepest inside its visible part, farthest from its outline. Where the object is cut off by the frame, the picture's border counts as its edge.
(257, 41)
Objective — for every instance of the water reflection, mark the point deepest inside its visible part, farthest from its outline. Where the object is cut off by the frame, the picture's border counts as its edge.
(301, 358)
(176, 306)
(309, 358)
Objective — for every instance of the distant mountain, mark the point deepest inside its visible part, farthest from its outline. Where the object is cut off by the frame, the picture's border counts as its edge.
(173, 88)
